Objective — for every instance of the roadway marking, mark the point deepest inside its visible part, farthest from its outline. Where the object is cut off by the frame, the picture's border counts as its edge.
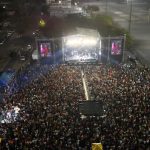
(84, 85)
(121, 14)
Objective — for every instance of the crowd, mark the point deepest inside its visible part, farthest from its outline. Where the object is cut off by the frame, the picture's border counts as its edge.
(48, 118)
(126, 94)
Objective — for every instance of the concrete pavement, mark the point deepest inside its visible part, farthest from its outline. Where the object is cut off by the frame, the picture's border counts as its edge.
(140, 22)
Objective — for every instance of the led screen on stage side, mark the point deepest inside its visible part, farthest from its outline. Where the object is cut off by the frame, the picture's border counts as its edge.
(44, 48)
(116, 46)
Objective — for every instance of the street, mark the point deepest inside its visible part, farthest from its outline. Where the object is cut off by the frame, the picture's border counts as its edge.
(139, 28)
(139, 23)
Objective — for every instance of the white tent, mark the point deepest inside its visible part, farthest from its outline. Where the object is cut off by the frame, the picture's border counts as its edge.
(82, 37)
(82, 44)
(35, 55)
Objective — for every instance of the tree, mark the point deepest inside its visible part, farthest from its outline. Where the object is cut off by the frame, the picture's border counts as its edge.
(92, 8)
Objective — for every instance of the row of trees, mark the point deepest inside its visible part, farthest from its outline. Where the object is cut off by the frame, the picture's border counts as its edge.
(56, 27)
(28, 15)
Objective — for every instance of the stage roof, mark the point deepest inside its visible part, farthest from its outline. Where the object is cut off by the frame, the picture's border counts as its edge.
(88, 32)
(85, 32)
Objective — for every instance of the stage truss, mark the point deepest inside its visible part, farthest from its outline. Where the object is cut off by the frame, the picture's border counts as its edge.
(82, 47)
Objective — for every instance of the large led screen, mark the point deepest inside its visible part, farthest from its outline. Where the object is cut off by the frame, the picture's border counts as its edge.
(116, 46)
(44, 48)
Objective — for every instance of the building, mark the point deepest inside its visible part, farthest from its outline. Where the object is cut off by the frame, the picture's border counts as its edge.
(59, 3)
(61, 8)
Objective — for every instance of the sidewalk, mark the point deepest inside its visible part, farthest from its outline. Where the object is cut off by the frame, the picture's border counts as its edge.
(3, 63)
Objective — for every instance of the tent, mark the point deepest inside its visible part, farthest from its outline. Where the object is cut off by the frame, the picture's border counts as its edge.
(35, 55)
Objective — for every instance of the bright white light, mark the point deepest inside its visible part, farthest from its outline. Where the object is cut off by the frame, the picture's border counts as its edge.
(100, 53)
(81, 41)
(10, 115)
(73, 42)
(79, 8)
(75, 4)
(89, 41)
(100, 44)
(59, 2)
(83, 117)
(17, 109)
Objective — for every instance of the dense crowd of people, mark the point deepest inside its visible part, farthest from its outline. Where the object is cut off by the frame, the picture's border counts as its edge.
(48, 117)
(126, 94)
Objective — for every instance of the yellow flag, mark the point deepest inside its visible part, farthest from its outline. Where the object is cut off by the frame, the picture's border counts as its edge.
(97, 146)
(0, 140)
(42, 23)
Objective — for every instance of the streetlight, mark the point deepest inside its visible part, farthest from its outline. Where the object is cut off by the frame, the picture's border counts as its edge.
(130, 15)
(106, 6)
(148, 15)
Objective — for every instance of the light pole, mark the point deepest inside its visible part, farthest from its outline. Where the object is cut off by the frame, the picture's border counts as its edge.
(148, 15)
(130, 15)
(106, 8)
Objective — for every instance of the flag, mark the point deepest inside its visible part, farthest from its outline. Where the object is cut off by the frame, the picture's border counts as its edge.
(0, 140)
(42, 23)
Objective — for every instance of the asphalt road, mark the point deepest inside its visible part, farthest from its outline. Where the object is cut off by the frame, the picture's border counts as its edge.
(13, 44)
(140, 22)
(140, 25)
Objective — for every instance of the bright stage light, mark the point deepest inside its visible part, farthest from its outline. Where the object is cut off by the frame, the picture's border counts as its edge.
(79, 8)
(89, 42)
(73, 42)
(82, 46)
(81, 41)
(100, 44)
